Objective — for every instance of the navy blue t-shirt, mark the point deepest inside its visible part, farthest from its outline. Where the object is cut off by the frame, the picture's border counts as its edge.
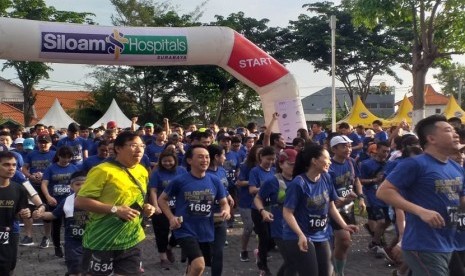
(194, 202)
(160, 179)
(222, 176)
(245, 198)
(78, 146)
(258, 176)
(433, 185)
(231, 165)
(58, 180)
(310, 202)
(370, 169)
(91, 162)
(343, 176)
(75, 219)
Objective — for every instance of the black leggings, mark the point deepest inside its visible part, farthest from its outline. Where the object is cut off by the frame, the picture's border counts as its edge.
(262, 229)
(315, 262)
(457, 263)
(56, 229)
(161, 228)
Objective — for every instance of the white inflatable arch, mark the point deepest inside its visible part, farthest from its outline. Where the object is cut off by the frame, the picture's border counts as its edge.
(27, 40)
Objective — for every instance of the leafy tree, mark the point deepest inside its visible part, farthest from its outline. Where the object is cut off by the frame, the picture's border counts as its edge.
(437, 32)
(449, 77)
(30, 73)
(361, 53)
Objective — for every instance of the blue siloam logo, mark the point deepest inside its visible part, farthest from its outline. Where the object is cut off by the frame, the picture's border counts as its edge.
(117, 44)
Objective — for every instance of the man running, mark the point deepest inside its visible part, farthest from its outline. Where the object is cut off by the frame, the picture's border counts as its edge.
(430, 189)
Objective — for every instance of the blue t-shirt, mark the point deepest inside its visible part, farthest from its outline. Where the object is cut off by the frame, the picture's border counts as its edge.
(58, 180)
(231, 165)
(257, 177)
(310, 202)
(343, 176)
(91, 162)
(153, 151)
(222, 176)
(194, 202)
(78, 146)
(75, 219)
(433, 185)
(39, 161)
(273, 195)
(160, 179)
(381, 136)
(320, 138)
(370, 169)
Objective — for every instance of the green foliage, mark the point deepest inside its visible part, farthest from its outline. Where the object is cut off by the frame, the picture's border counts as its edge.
(340, 114)
(361, 53)
(449, 77)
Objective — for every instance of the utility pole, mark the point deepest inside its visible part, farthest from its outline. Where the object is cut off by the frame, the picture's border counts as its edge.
(460, 92)
(332, 24)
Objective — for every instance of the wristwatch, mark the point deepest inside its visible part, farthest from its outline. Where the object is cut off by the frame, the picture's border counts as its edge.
(114, 209)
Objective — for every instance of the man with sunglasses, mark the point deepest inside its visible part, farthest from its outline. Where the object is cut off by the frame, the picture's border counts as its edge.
(114, 194)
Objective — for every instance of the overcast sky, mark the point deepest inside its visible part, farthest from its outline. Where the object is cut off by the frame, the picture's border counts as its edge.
(279, 12)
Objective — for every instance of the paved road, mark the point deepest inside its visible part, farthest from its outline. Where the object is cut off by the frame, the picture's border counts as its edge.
(36, 261)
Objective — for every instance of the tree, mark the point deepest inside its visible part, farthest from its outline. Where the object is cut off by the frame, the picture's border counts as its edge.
(361, 53)
(30, 73)
(437, 33)
(450, 76)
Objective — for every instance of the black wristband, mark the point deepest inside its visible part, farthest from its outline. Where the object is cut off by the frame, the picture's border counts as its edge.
(260, 211)
(360, 196)
(43, 204)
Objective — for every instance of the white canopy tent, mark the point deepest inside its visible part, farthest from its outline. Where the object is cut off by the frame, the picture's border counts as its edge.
(114, 113)
(56, 116)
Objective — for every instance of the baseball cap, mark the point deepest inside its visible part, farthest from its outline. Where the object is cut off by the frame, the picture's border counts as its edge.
(340, 139)
(29, 144)
(19, 140)
(44, 137)
(148, 125)
(370, 133)
(73, 127)
(174, 135)
(111, 124)
(288, 155)
(224, 136)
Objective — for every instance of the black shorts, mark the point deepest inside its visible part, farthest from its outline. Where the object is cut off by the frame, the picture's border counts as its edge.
(349, 218)
(73, 256)
(194, 249)
(102, 263)
(378, 213)
(9, 254)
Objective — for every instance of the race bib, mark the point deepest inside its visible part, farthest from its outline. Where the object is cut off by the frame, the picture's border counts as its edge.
(317, 223)
(4, 235)
(98, 266)
(61, 189)
(344, 191)
(456, 218)
(201, 208)
(77, 232)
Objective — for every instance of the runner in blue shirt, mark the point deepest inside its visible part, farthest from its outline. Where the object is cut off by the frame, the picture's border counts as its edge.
(55, 186)
(372, 174)
(245, 199)
(345, 175)
(270, 199)
(319, 135)
(157, 146)
(259, 175)
(309, 201)
(217, 158)
(94, 160)
(192, 220)
(77, 144)
(430, 189)
(380, 134)
(357, 142)
(167, 169)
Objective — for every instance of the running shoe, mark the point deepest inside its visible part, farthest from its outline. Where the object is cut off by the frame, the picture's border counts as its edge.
(381, 253)
(45, 242)
(58, 252)
(165, 264)
(265, 272)
(26, 241)
(226, 243)
(244, 256)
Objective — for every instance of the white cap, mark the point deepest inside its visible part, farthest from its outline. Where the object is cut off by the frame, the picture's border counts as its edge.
(19, 140)
(341, 139)
(370, 133)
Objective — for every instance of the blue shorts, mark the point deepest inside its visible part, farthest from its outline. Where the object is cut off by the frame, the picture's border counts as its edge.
(73, 256)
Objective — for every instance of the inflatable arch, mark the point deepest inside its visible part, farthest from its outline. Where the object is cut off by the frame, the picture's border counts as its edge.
(29, 40)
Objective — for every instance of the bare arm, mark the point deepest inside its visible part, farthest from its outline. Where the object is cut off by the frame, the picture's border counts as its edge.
(165, 208)
(242, 183)
(388, 193)
(154, 201)
(253, 190)
(225, 209)
(267, 134)
(288, 215)
(258, 201)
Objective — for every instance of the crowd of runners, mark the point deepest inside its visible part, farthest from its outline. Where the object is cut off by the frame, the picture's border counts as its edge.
(104, 185)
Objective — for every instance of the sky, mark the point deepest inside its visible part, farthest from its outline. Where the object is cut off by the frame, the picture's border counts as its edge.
(279, 12)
